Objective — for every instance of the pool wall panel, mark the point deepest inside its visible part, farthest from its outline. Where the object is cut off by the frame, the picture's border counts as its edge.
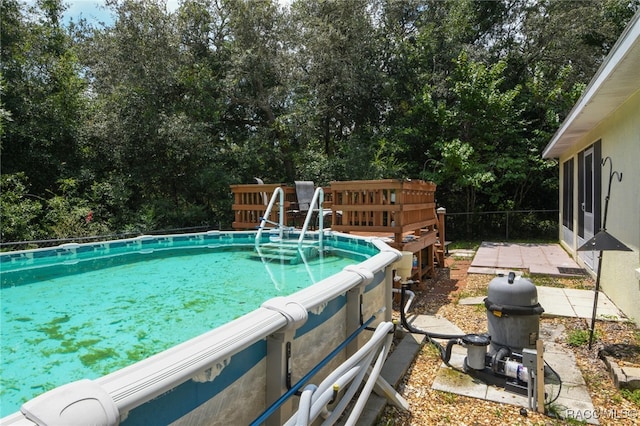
(322, 333)
(243, 400)
(186, 384)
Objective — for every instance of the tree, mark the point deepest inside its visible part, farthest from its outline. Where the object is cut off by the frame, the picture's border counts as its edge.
(481, 131)
(43, 95)
(145, 122)
(257, 87)
(20, 210)
(152, 126)
(340, 82)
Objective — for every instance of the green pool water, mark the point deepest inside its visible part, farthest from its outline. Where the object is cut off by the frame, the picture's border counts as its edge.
(86, 319)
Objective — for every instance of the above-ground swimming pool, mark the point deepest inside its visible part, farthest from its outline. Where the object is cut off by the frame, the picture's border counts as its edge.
(168, 328)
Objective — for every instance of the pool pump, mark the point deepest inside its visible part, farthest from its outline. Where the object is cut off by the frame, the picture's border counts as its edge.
(507, 355)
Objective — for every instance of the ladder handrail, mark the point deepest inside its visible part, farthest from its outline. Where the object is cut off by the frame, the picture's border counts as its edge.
(318, 198)
(275, 282)
(306, 264)
(267, 212)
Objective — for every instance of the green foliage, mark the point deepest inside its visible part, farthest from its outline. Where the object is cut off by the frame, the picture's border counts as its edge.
(146, 122)
(19, 209)
(43, 96)
(69, 215)
(481, 120)
(581, 337)
(631, 395)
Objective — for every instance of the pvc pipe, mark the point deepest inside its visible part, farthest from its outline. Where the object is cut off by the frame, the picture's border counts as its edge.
(368, 387)
(411, 294)
(323, 397)
(361, 370)
(304, 407)
(362, 353)
(352, 372)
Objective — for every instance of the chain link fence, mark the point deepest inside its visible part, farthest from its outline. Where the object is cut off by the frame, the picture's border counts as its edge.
(25, 245)
(502, 225)
(469, 226)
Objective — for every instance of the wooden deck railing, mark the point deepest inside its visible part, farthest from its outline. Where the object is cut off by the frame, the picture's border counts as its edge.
(250, 203)
(404, 210)
(389, 205)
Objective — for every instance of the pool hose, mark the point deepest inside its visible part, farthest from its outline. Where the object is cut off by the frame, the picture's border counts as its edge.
(445, 352)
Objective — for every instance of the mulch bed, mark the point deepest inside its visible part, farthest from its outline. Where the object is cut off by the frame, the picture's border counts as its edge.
(439, 296)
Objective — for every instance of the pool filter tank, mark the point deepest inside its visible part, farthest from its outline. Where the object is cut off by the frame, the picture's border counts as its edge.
(506, 354)
(513, 313)
(476, 345)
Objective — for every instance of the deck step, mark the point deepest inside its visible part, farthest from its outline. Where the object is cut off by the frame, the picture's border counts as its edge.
(287, 252)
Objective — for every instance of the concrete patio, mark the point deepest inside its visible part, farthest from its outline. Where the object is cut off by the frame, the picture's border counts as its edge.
(544, 259)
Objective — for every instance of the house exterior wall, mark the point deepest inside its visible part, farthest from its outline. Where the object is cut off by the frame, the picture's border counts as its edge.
(619, 134)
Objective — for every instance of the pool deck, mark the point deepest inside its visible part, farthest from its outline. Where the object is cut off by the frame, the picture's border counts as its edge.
(494, 258)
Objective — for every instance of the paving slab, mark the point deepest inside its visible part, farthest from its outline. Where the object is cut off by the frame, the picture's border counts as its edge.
(632, 376)
(568, 302)
(485, 270)
(624, 376)
(462, 253)
(475, 300)
(433, 324)
(577, 303)
(547, 259)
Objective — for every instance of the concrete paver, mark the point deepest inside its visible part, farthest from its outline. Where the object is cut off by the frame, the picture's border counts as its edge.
(566, 302)
(462, 253)
(548, 259)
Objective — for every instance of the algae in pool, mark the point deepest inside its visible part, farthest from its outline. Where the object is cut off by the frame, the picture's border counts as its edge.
(89, 322)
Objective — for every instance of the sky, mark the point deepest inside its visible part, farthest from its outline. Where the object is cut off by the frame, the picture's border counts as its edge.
(96, 11)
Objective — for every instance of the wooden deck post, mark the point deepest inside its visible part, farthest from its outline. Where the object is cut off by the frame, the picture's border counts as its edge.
(442, 212)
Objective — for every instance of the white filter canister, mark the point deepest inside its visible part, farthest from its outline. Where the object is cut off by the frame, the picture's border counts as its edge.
(476, 345)
(476, 357)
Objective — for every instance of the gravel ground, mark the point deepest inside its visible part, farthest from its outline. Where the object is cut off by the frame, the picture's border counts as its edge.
(439, 296)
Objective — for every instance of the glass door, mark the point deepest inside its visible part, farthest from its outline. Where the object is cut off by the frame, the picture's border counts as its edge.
(587, 205)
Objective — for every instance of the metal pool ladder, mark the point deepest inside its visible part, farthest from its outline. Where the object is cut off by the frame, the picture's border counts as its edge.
(278, 193)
